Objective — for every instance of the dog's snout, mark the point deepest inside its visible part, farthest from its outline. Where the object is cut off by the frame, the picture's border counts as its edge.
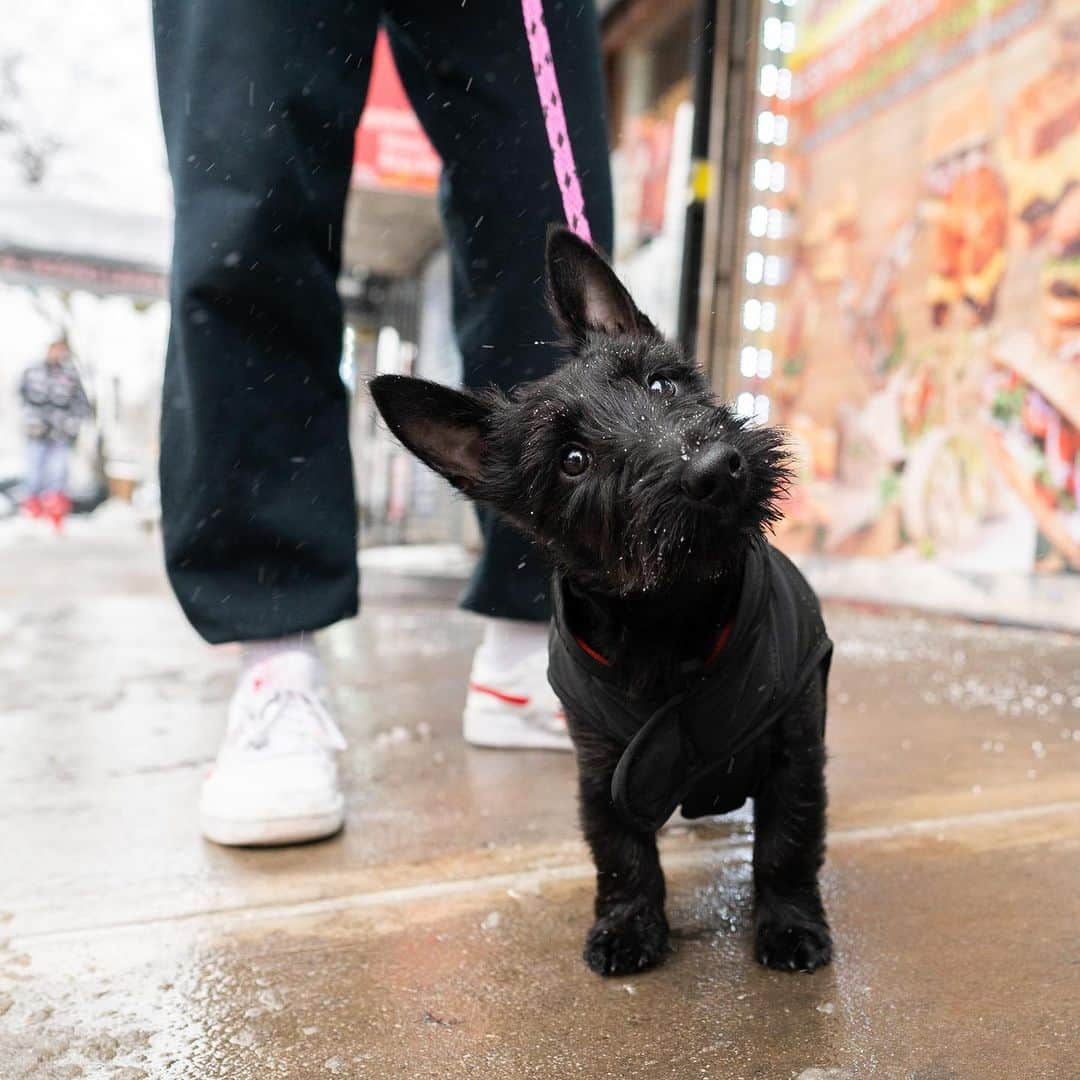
(714, 474)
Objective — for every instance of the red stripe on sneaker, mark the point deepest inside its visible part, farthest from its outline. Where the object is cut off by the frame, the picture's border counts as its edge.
(510, 699)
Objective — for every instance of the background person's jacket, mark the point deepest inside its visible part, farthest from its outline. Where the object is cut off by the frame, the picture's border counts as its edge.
(701, 747)
(53, 402)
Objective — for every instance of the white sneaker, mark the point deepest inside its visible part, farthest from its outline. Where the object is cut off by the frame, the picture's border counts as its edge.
(514, 708)
(275, 780)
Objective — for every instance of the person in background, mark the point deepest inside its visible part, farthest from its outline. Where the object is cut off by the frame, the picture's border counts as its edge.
(54, 407)
(260, 107)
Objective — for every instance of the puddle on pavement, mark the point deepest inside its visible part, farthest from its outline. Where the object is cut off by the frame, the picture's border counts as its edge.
(482, 985)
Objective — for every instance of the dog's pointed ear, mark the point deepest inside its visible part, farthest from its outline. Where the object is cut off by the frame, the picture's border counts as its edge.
(584, 293)
(445, 428)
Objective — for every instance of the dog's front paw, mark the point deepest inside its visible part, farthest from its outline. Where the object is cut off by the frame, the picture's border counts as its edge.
(787, 942)
(628, 938)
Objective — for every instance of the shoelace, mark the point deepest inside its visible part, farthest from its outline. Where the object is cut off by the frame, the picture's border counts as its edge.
(307, 721)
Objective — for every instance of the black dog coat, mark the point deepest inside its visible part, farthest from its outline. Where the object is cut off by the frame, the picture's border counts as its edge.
(702, 747)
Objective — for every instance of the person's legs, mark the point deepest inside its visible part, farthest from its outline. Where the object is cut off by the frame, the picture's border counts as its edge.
(36, 455)
(260, 100)
(511, 95)
(470, 75)
(55, 503)
(54, 468)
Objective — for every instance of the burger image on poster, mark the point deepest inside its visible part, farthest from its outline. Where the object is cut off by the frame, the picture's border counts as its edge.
(1042, 145)
(967, 211)
(1061, 277)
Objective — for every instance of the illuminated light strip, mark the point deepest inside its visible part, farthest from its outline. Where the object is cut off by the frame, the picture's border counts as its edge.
(547, 89)
(755, 363)
(758, 316)
(778, 35)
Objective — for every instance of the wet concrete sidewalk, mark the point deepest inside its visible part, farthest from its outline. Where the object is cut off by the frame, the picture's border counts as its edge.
(439, 936)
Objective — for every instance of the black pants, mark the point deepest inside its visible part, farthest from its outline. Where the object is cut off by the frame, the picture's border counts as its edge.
(260, 100)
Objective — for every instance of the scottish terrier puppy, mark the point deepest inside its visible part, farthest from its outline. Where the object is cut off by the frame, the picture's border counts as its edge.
(690, 655)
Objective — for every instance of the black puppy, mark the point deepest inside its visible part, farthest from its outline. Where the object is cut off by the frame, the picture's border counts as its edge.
(689, 655)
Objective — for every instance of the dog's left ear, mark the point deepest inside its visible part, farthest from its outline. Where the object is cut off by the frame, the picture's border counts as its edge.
(586, 296)
(444, 428)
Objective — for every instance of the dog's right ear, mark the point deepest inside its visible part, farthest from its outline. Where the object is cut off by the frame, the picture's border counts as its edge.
(585, 295)
(446, 429)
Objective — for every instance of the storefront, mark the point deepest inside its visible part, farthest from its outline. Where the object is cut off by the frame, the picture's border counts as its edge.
(888, 266)
(905, 277)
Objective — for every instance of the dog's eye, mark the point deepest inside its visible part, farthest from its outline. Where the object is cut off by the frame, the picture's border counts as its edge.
(663, 387)
(574, 460)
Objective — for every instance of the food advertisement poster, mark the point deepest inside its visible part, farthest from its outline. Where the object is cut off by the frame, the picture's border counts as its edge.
(911, 303)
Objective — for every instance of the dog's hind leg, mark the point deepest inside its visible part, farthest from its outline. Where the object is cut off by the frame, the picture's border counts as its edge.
(791, 932)
(631, 931)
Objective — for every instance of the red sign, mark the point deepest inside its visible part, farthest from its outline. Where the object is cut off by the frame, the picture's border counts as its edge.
(392, 152)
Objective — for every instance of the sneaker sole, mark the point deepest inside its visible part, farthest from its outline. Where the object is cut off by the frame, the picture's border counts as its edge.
(295, 830)
(502, 732)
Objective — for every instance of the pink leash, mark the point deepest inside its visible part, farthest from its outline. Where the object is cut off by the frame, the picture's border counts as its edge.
(547, 87)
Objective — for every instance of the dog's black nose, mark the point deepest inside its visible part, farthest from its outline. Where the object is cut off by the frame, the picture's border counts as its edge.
(714, 474)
